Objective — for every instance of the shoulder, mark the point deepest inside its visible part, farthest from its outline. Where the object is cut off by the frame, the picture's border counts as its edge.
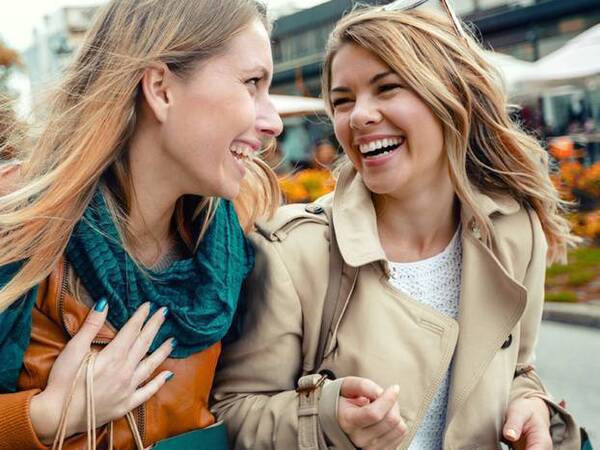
(293, 244)
(517, 238)
(295, 227)
(294, 219)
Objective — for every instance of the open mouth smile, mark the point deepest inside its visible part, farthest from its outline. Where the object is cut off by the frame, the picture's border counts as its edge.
(381, 147)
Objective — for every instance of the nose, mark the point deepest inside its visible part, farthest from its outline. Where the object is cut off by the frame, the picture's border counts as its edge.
(363, 114)
(268, 122)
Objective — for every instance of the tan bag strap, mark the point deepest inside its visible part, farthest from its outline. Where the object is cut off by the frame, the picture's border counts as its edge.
(342, 279)
(88, 365)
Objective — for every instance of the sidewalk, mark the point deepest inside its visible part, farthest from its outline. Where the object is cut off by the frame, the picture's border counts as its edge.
(584, 314)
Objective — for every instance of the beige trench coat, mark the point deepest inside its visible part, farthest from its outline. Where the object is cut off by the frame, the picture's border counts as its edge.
(383, 334)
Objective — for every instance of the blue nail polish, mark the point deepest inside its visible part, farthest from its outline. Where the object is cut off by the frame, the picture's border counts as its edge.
(169, 376)
(101, 305)
(174, 343)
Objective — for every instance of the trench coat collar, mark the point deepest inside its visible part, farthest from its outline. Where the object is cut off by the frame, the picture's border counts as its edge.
(355, 221)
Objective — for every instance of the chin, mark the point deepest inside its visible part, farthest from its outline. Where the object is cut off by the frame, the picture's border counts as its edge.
(229, 192)
(380, 187)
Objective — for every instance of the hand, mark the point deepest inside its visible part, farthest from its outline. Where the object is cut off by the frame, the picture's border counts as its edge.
(527, 424)
(118, 371)
(369, 415)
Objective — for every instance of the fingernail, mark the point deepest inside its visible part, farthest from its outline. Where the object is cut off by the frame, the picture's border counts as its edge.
(174, 343)
(169, 376)
(379, 391)
(100, 305)
(165, 311)
(511, 434)
(396, 389)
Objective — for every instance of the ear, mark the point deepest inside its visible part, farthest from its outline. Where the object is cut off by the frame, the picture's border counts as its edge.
(156, 85)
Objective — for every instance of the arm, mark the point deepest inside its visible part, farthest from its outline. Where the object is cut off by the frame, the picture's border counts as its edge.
(254, 391)
(565, 434)
(16, 429)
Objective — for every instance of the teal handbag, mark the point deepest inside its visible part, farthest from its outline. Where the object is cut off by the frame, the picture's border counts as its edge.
(209, 438)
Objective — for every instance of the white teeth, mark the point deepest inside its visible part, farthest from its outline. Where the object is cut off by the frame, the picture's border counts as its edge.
(380, 143)
(241, 150)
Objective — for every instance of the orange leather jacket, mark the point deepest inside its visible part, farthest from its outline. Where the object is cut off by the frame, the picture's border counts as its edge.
(179, 406)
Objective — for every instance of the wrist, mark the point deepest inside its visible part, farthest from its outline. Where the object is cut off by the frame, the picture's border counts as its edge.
(544, 408)
(42, 413)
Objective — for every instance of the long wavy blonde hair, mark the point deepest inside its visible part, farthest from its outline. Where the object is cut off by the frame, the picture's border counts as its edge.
(486, 150)
(91, 119)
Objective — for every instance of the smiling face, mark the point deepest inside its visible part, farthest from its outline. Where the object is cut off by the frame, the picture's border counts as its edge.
(218, 115)
(391, 136)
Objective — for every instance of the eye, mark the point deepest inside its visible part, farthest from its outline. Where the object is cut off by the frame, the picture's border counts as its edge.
(340, 101)
(388, 87)
(253, 81)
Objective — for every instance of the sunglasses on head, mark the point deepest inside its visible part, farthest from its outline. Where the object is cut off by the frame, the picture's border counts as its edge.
(405, 5)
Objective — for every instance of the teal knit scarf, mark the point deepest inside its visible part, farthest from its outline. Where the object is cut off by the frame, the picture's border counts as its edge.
(201, 292)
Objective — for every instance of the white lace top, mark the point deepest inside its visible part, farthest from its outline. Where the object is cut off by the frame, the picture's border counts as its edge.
(435, 282)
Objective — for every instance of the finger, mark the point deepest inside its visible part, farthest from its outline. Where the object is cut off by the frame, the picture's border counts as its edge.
(93, 323)
(374, 435)
(360, 387)
(391, 439)
(142, 344)
(536, 435)
(144, 393)
(147, 367)
(126, 336)
(376, 411)
(516, 417)
(359, 401)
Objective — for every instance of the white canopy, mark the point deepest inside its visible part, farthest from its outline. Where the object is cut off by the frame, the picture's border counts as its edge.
(575, 62)
(291, 105)
(514, 71)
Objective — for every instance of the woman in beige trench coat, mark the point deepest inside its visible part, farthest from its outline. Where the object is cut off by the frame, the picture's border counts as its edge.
(445, 215)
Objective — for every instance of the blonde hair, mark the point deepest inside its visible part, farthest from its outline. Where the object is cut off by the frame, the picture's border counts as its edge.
(486, 150)
(84, 138)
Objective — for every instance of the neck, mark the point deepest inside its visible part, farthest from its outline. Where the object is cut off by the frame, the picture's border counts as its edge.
(153, 201)
(419, 225)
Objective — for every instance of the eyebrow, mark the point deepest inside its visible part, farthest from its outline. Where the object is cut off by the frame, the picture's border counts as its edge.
(373, 80)
(262, 69)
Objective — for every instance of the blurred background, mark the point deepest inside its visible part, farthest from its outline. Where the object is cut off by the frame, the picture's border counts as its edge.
(548, 52)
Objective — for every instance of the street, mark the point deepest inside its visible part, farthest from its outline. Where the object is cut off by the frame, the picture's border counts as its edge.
(568, 361)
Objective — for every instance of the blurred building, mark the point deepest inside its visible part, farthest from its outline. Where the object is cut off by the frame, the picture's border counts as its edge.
(526, 29)
(54, 43)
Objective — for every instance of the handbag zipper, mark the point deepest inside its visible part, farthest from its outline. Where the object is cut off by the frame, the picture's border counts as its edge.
(61, 304)
(141, 421)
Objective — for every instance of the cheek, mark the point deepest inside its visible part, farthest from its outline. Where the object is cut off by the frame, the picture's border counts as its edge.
(341, 128)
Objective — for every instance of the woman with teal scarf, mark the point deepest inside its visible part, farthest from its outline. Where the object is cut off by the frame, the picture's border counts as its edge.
(122, 229)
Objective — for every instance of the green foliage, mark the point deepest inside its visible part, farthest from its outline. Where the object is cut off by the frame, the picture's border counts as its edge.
(562, 297)
(582, 269)
(580, 278)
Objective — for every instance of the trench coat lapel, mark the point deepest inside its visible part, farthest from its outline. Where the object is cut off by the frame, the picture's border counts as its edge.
(491, 304)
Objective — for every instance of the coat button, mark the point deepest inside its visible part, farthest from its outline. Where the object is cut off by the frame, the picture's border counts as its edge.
(313, 208)
(507, 342)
